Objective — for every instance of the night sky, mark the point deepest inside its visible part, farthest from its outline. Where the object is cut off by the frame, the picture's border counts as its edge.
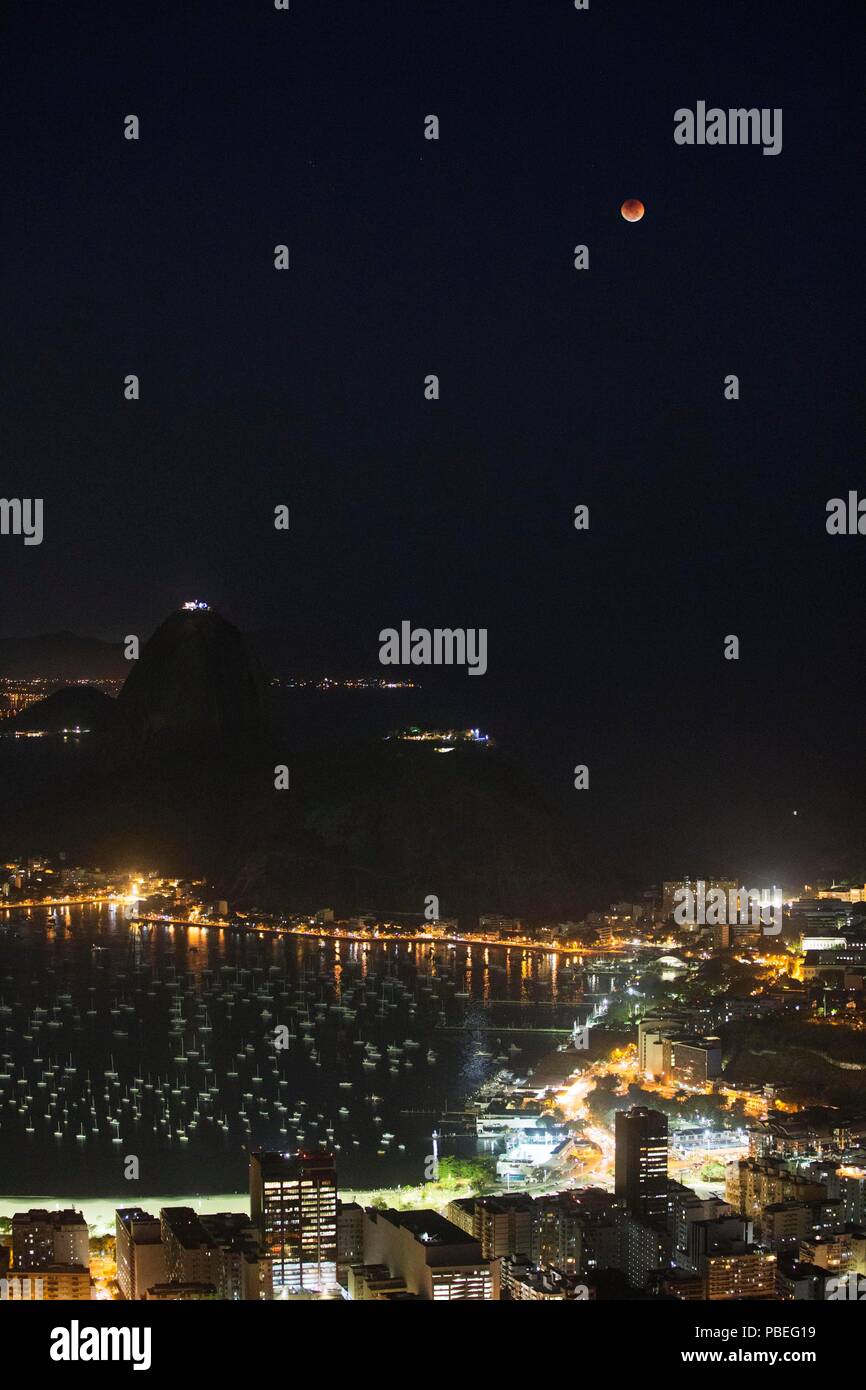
(558, 387)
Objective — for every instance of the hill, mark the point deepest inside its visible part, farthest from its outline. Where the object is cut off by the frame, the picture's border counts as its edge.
(75, 706)
(195, 685)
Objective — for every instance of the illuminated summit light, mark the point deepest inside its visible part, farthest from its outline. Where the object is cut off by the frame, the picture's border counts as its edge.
(196, 605)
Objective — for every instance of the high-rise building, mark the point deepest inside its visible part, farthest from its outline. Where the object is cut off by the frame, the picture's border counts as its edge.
(850, 1183)
(41, 1238)
(651, 1033)
(798, 1281)
(140, 1253)
(700, 888)
(433, 1258)
(755, 1183)
(740, 1273)
(786, 1225)
(219, 1250)
(599, 1218)
(558, 1221)
(836, 1253)
(526, 1283)
(686, 1208)
(293, 1201)
(691, 1061)
(491, 924)
(501, 1225)
(350, 1238)
(644, 1249)
(723, 937)
(641, 1163)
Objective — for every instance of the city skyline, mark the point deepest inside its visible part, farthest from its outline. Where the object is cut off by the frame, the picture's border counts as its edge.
(432, 844)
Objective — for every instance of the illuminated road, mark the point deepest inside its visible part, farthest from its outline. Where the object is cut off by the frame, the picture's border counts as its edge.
(425, 938)
(572, 1101)
(369, 938)
(117, 899)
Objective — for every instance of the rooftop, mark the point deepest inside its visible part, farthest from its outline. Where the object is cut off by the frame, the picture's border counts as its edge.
(426, 1226)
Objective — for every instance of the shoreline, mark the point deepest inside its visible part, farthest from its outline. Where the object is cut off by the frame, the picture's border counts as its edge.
(99, 1211)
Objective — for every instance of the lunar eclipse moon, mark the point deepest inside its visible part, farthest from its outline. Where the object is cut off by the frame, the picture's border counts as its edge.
(632, 209)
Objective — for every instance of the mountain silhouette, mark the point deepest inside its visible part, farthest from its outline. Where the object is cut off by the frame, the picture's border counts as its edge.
(75, 706)
(195, 685)
(183, 781)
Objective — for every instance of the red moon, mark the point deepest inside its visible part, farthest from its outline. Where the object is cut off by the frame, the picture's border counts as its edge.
(632, 209)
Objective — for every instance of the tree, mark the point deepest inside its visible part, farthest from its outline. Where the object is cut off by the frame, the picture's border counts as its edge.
(478, 1172)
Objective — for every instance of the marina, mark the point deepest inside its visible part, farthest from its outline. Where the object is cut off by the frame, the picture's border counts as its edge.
(186, 1047)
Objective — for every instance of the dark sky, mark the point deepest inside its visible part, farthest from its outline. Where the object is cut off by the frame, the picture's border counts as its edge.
(558, 387)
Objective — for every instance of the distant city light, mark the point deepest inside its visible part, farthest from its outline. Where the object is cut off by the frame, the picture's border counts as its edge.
(446, 738)
(196, 605)
(349, 683)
